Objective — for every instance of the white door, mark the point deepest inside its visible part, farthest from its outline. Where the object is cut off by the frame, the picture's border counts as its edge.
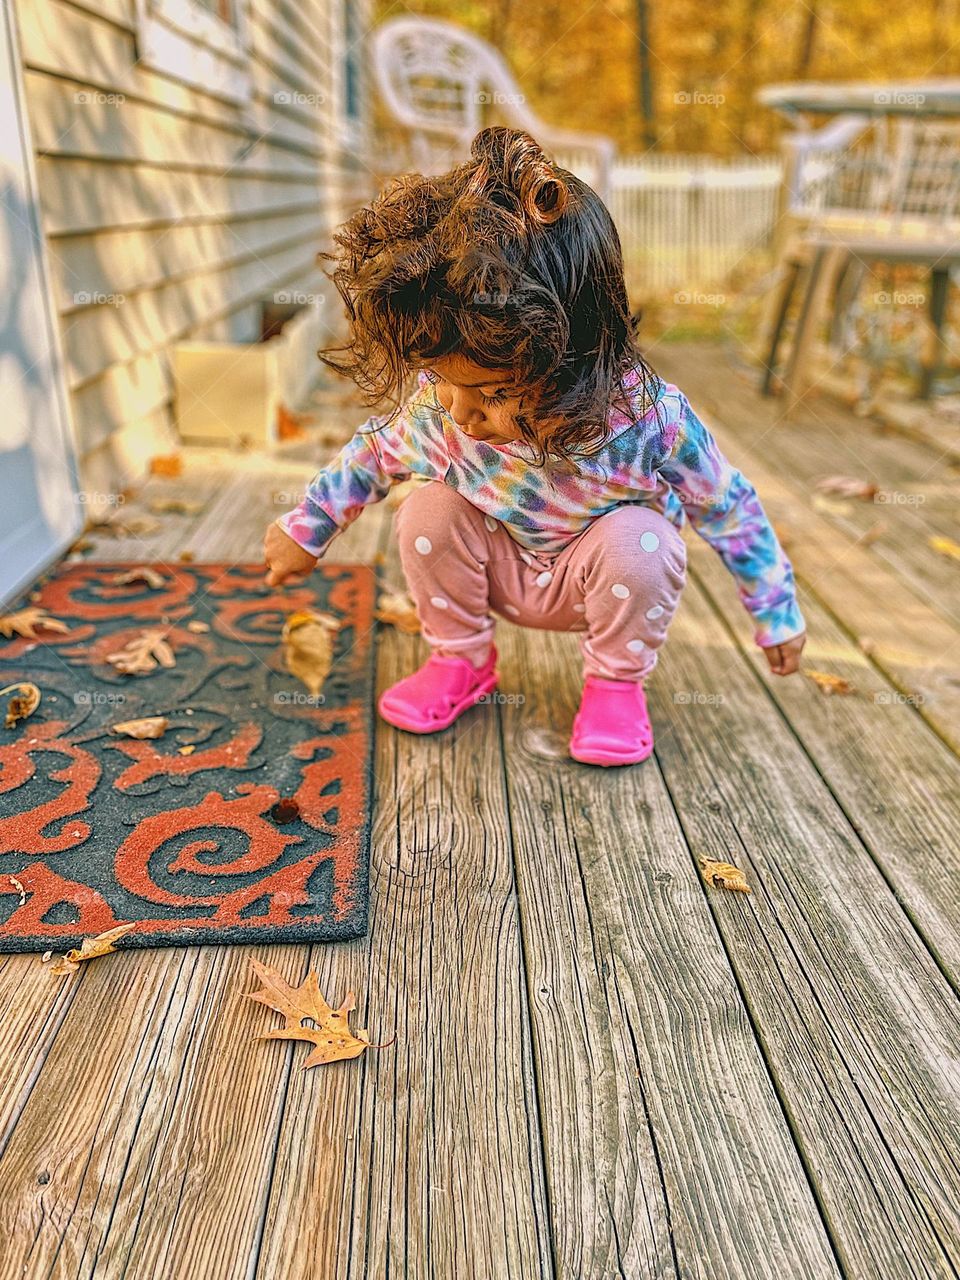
(40, 510)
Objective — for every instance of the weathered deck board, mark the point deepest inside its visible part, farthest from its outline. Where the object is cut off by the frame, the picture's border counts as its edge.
(667, 1152)
(859, 1026)
(909, 818)
(432, 1156)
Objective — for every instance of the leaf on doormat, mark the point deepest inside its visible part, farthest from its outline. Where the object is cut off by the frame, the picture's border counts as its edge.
(397, 609)
(90, 948)
(21, 891)
(724, 875)
(147, 727)
(197, 626)
(331, 1035)
(24, 622)
(307, 640)
(828, 684)
(945, 547)
(144, 653)
(143, 573)
(848, 487)
(23, 703)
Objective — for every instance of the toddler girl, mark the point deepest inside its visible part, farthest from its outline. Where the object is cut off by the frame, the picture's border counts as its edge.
(560, 467)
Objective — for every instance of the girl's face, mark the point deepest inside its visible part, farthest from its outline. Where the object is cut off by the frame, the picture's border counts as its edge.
(481, 401)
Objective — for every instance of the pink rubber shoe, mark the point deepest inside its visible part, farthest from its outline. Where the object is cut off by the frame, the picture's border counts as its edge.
(433, 697)
(612, 725)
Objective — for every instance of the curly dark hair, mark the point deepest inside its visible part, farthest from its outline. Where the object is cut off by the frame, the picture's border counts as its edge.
(506, 260)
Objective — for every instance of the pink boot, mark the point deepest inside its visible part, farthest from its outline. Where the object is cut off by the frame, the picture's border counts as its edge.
(434, 696)
(612, 725)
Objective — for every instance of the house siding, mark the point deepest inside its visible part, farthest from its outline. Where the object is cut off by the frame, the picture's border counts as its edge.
(171, 211)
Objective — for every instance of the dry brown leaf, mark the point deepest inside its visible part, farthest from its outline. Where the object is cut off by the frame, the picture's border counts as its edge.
(24, 622)
(198, 627)
(147, 727)
(307, 640)
(176, 506)
(945, 547)
(187, 556)
(144, 653)
(724, 875)
(397, 609)
(167, 464)
(827, 683)
(848, 487)
(90, 948)
(19, 888)
(331, 1035)
(21, 704)
(143, 573)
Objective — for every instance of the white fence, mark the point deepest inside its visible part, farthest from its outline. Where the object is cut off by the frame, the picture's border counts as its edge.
(687, 221)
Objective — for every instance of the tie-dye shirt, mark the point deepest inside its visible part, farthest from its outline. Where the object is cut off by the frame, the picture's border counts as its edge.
(669, 461)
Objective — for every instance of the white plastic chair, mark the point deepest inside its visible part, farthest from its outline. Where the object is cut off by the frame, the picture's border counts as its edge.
(441, 84)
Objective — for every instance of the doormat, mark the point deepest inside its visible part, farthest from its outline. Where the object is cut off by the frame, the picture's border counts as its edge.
(247, 821)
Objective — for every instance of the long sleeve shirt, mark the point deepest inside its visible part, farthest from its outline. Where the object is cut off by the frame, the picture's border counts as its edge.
(668, 460)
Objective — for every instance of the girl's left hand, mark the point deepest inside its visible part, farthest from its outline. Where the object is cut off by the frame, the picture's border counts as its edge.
(784, 658)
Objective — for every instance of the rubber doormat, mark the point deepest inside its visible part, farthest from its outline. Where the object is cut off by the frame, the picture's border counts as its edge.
(248, 820)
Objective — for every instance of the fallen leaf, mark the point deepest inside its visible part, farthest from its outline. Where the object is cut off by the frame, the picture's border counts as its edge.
(331, 1035)
(131, 527)
(724, 875)
(22, 704)
(186, 556)
(290, 425)
(848, 487)
(176, 506)
(147, 727)
(24, 621)
(397, 609)
(187, 751)
(945, 547)
(19, 888)
(168, 464)
(307, 640)
(144, 653)
(90, 948)
(828, 684)
(197, 626)
(141, 574)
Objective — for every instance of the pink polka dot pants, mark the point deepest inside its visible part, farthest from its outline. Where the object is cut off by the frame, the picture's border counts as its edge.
(617, 584)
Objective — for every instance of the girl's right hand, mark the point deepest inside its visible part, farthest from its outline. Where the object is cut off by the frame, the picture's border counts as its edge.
(283, 556)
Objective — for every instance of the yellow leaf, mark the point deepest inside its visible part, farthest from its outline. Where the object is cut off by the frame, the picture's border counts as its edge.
(330, 1035)
(724, 875)
(90, 948)
(946, 547)
(307, 640)
(397, 609)
(148, 727)
(142, 573)
(144, 653)
(828, 684)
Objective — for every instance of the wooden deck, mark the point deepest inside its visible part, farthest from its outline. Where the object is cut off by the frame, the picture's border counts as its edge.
(603, 1069)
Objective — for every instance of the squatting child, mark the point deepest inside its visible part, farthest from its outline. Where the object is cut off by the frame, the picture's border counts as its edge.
(561, 468)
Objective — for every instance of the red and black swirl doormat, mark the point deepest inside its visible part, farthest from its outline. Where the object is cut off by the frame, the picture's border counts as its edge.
(247, 820)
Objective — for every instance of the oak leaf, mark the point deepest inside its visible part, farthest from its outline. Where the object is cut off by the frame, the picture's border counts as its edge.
(330, 1035)
(90, 948)
(147, 727)
(24, 621)
(144, 653)
(724, 875)
(307, 640)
